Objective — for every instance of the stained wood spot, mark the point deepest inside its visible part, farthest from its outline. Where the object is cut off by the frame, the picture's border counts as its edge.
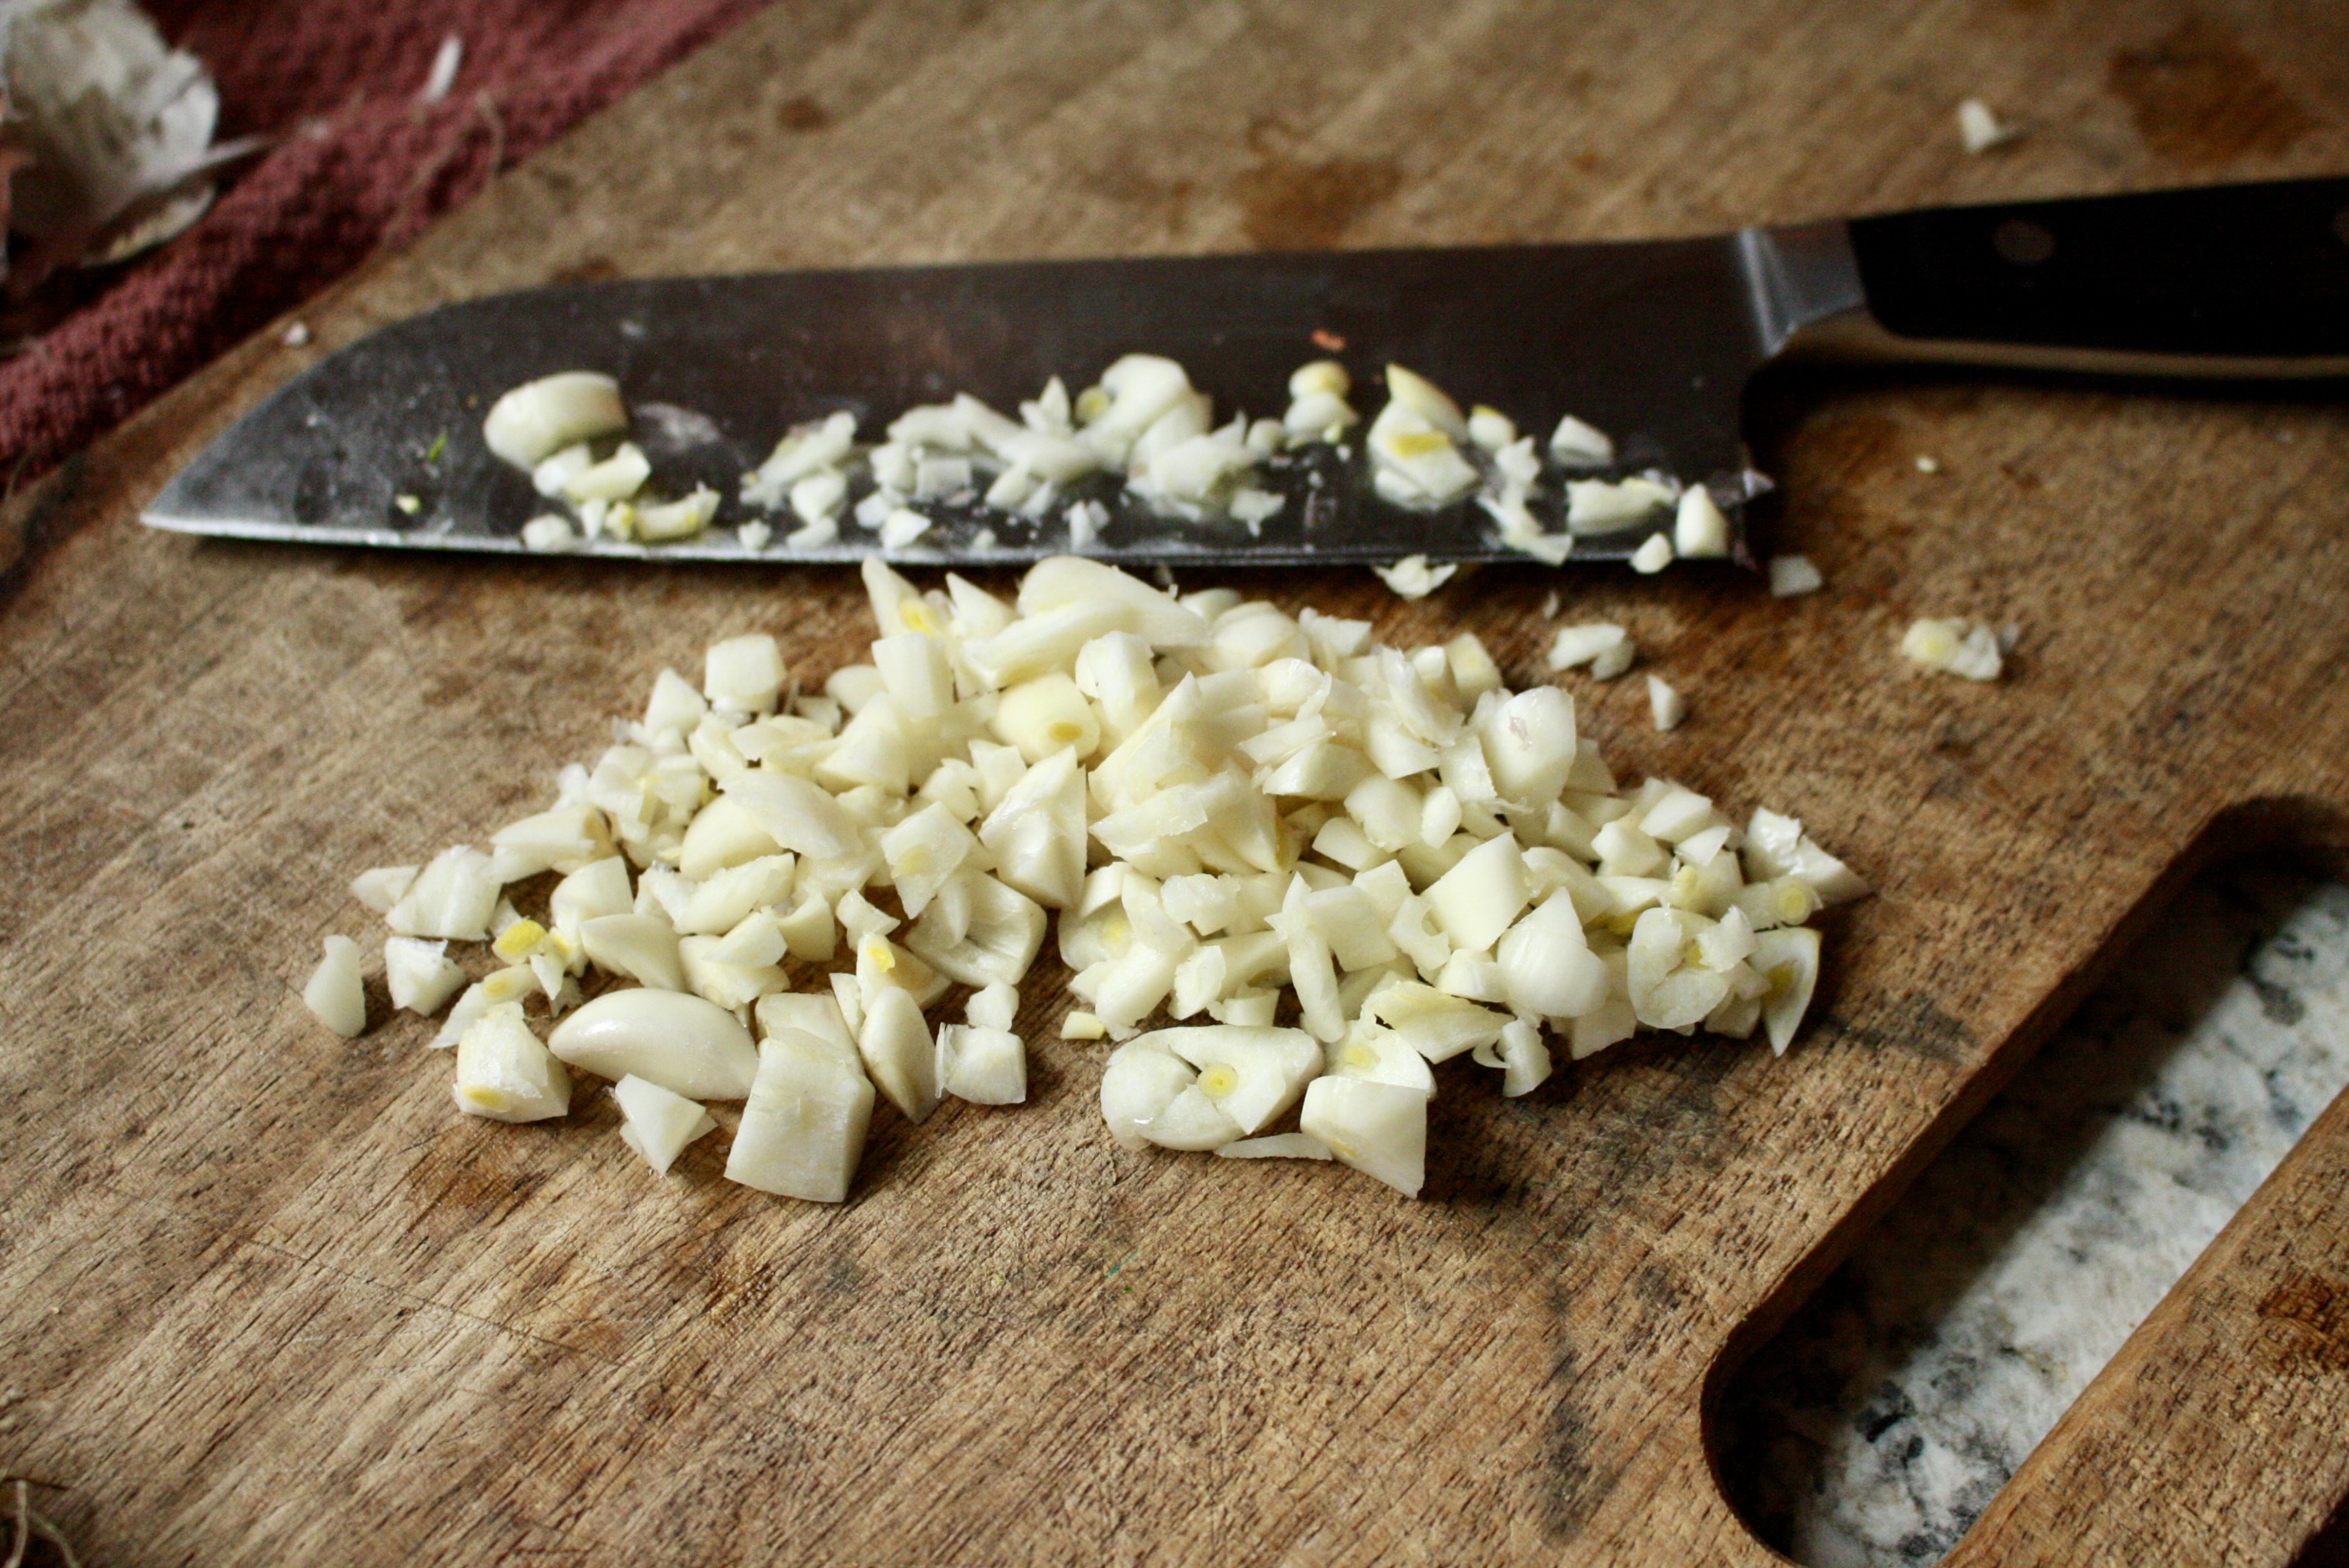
(2199, 100)
(1288, 205)
(2308, 1321)
(588, 270)
(801, 113)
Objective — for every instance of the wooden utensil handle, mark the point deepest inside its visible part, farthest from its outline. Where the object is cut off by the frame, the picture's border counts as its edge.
(2247, 271)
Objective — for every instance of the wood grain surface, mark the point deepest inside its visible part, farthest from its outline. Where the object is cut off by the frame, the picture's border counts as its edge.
(265, 1299)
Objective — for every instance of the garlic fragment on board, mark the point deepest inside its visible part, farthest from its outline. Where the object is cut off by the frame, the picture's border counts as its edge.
(1958, 646)
(1665, 706)
(687, 1044)
(505, 1074)
(657, 1123)
(1981, 129)
(335, 992)
(1791, 576)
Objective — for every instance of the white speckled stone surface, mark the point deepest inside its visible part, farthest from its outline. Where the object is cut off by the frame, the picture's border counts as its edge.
(1887, 1415)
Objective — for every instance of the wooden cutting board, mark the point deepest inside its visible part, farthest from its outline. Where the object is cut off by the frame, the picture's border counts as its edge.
(264, 1298)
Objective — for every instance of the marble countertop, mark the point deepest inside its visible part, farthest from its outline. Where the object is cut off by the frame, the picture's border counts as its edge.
(1886, 1416)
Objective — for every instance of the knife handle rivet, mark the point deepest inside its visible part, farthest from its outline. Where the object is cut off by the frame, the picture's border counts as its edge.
(2022, 241)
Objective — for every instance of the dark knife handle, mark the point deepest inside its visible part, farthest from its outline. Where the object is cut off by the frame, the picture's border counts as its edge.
(2246, 271)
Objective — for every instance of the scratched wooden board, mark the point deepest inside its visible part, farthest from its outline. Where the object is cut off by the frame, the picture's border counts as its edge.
(266, 1298)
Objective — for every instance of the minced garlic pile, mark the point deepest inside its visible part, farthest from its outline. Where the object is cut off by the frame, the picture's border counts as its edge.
(1329, 863)
(1143, 420)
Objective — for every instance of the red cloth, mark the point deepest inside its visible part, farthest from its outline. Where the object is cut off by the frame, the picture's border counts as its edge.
(361, 164)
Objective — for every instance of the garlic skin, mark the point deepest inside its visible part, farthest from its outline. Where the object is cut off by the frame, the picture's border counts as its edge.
(1277, 1146)
(335, 994)
(802, 1130)
(681, 1042)
(505, 1074)
(1379, 1129)
(658, 1124)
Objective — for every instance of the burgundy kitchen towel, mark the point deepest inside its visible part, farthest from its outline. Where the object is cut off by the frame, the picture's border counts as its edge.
(359, 163)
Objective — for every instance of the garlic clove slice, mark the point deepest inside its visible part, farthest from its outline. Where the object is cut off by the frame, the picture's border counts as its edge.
(1788, 960)
(983, 1066)
(1379, 1129)
(505, 1074)
(657, 1123)
(687, 1046)
(1251, 1074)
(803, 1130)
(898, 1052)
(336, 994)
(641, 946)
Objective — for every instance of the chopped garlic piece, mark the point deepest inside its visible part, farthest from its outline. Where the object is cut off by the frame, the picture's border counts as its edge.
(984, 1066)
(1665, 706)
(1576, 445)
(454, 896)
(505, 1074)
(548, 534)
(1603, 646)
(902, 527)
(1413, 578)
(803, 1130)
(678, 519)
(618, 478)
(681, 1042)
(1980, 130)
(658, 1124)
(1791, 576)
(335, 994)
(1653, 555)
(1379, 1129)
(1251, 508)
(529, 424)
(1699, 528)
(1490, 428)
(419, 973)
(383, 887)
(1958, 646)
(1603, 506)
(745, 674)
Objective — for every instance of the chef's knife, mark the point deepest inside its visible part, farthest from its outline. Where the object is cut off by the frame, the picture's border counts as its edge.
(1652, 341)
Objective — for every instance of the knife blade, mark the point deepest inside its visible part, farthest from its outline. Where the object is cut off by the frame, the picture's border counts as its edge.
(1654, 341)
